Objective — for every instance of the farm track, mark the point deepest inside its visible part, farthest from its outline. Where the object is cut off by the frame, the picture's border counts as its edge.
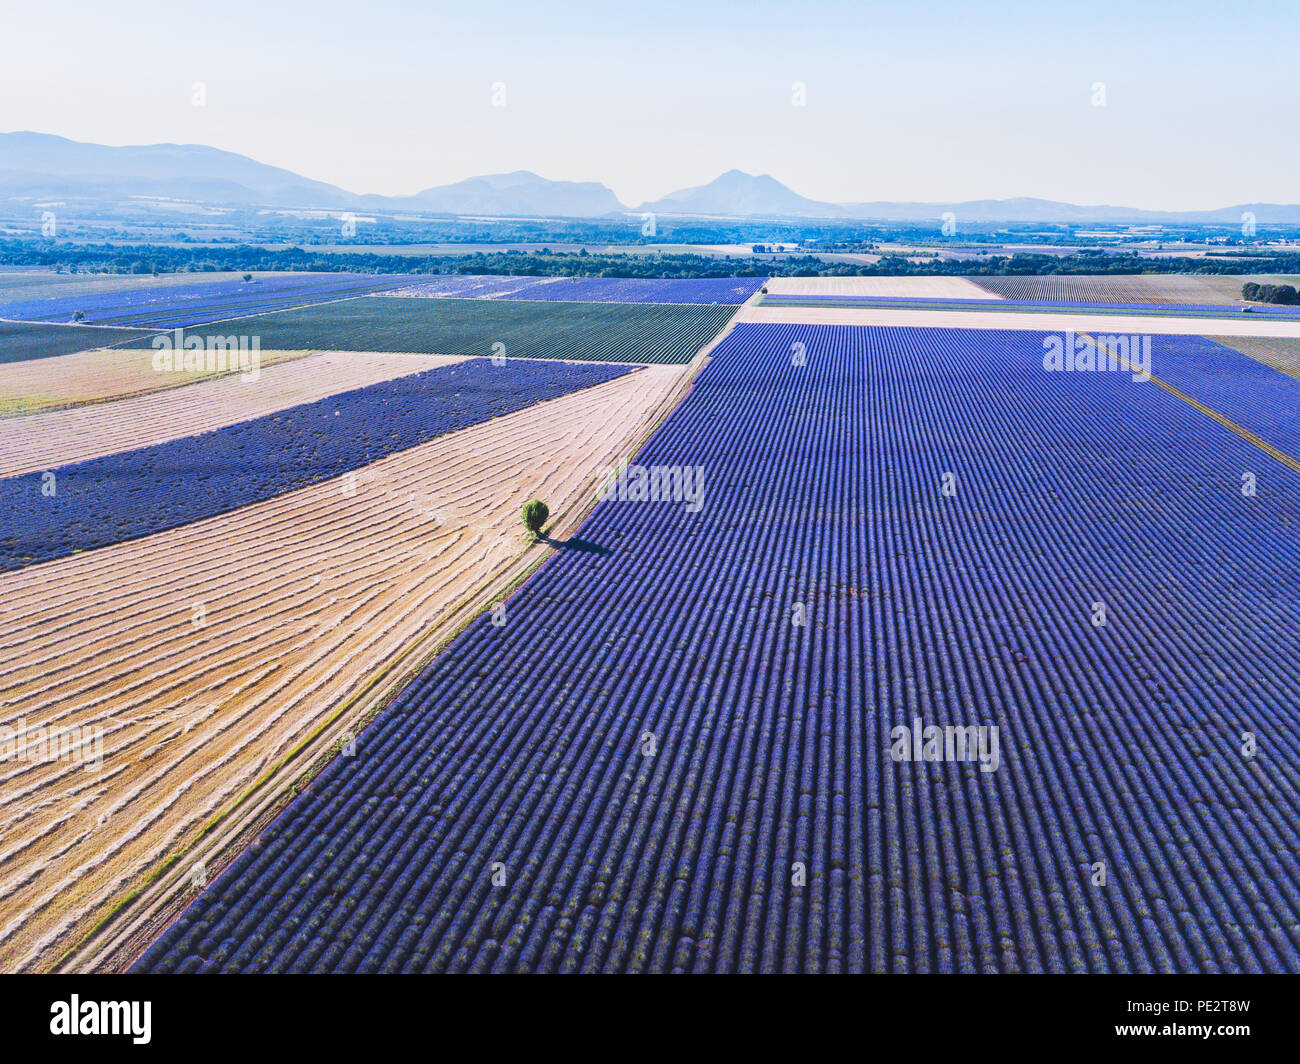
(526, 745)
(43, 441)
(302, 597)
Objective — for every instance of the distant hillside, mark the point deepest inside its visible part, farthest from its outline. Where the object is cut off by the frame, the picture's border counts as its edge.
(520, 193)
(1041, 210)
(41, 165)
(737, 194)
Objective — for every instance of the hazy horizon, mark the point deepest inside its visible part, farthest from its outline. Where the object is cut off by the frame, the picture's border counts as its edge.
(855, 104)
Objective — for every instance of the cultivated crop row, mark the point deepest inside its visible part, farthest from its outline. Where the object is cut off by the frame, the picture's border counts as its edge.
(21, 285)
(46, 441)
(120, 496)
(1245, 389)
(23, 341)
(677, 751)
(1147, 309)
(85, 377)
(173, 306)
(1283, 354)
(1138, 288)
(726, 290)
(608, 332)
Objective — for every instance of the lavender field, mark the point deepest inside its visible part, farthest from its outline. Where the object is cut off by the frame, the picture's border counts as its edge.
(727, 290)
(174, 306)
(705, 741)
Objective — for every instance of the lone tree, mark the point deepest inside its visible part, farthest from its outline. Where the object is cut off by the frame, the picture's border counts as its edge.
(535, 514)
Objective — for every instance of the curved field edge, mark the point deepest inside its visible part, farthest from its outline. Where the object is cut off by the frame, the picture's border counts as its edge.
(124, 929)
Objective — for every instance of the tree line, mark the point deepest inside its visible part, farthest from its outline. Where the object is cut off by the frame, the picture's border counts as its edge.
(145, 259)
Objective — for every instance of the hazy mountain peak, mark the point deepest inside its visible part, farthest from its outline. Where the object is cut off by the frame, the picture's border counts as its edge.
(39, 166)
(521, 192)
(737, 193)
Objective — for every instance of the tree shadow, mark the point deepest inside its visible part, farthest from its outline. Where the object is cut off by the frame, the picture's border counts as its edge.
(583, 546)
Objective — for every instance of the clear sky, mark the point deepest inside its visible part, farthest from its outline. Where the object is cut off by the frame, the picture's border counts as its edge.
(917, 101)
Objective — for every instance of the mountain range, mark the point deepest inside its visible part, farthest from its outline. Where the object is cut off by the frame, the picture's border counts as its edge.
(39, 166)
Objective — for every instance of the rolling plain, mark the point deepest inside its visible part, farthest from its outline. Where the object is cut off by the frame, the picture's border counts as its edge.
(352, 719)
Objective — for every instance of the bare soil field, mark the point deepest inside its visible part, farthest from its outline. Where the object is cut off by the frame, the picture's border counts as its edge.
(207, 653)
(880, 287)
(43, 441)
(95, 376)
(1034, 321)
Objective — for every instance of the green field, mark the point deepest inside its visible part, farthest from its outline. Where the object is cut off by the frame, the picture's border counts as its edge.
(602, 332)
(21, 340)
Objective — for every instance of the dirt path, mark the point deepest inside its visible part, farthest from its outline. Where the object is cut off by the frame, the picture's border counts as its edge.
(206, 653)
